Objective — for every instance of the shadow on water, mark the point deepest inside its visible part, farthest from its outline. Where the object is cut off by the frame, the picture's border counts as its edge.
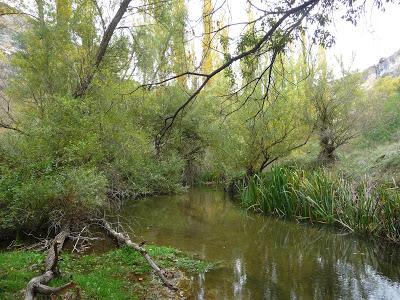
(265, 258)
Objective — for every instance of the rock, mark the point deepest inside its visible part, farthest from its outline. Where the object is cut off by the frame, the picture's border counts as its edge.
(387, 66)
(11, 26)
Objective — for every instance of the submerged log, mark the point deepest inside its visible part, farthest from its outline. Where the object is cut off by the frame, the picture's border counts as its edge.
(38, 284)
(123, 239)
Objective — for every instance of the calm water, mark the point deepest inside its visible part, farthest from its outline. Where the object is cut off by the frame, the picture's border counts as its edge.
(265, 258)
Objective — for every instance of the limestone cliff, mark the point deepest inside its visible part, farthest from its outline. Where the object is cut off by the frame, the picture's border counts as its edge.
(10, 27)
(387, 66)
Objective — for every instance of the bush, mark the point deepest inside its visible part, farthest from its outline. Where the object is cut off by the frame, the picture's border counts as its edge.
(68, 161)
(28, 199)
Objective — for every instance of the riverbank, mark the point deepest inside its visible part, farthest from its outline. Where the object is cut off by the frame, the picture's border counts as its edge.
(264, 257)
(321, 196)
(117, 274)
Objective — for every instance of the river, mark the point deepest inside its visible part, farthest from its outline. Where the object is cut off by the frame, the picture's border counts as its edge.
(261, 257)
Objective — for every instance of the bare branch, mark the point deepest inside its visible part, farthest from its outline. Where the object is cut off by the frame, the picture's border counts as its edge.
(124, 239)
(38, 283)
(307, 6)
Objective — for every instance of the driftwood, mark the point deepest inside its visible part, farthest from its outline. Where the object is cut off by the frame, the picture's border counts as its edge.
(38, 283)
(123, 239)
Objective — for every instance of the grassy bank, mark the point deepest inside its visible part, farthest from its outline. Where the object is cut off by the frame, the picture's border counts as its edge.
(323, 197)
(118, 274)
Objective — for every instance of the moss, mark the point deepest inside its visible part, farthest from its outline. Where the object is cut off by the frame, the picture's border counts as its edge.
(118, 274)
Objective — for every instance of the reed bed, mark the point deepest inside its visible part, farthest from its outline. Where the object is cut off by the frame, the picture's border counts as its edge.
(323, 197)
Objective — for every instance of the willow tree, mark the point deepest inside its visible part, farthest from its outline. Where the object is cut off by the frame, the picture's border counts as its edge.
(335, 110)
(268, 127)
(278, 24)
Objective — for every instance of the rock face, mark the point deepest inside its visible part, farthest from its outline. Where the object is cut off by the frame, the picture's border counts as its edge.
(388, 66)
(10, 27)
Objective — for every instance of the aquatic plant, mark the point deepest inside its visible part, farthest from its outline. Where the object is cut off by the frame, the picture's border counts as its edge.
(323, 197)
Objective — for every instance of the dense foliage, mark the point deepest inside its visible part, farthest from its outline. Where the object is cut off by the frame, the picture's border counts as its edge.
(69, 154)
(84, 128)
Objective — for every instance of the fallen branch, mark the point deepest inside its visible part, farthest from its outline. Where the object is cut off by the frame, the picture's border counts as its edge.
(123, 238)
(38, 283)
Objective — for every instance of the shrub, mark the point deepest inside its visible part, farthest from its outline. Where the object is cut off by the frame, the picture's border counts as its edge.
(69, 160)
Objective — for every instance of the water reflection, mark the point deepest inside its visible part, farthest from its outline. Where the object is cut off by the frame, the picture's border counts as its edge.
(240, 279)
(264, 258)
(201, 293)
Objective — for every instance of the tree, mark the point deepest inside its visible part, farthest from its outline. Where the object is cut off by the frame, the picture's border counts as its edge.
(255, 135)
(334, 107)
(279, 24)
(207, 42)
(179, 52)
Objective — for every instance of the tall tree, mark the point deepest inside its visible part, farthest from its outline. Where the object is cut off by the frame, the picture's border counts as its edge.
(87, 79)
(63, 11)
(179, 53)
(207, 41)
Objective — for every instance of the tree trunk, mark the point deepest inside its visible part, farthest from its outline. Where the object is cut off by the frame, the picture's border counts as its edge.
(38, 283)
(327, 155)
(87, 80)
(250, 172)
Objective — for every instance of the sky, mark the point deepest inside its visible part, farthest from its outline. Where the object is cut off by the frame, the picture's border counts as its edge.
(376, 35)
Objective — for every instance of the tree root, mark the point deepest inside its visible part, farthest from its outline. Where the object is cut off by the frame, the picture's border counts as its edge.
(38, 284)
(123, 238)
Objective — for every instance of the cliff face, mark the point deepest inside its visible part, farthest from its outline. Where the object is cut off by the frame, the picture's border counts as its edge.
(10, 27)
(388, 66)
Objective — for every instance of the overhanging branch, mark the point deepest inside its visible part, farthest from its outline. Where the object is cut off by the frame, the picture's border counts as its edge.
(169, 121)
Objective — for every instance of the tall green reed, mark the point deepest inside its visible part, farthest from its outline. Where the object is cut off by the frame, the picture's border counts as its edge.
(323, 197)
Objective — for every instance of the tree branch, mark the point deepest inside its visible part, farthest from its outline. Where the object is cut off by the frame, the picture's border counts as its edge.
(105, 41)
(169, 121)
(38, 283)
(124, 239)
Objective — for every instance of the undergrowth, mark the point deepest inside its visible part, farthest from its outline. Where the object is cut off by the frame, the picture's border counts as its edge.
(118, 274)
